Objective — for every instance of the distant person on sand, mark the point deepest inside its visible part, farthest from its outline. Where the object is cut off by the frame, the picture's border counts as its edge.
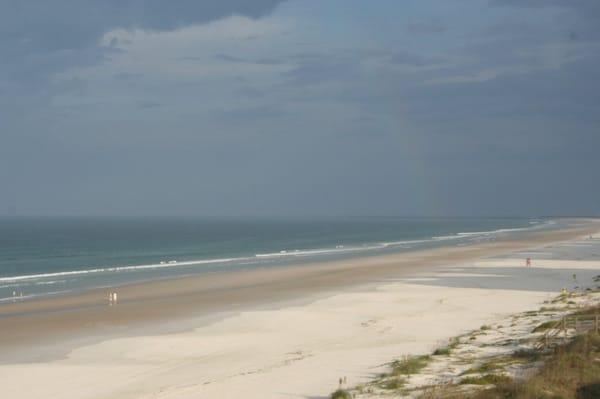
(528, 262)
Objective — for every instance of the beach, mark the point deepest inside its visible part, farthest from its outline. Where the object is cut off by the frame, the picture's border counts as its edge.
(280, 332)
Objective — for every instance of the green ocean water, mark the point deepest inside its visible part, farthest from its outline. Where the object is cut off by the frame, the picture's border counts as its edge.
(49, 256)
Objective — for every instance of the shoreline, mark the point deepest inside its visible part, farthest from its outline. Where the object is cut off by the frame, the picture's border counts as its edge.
(179, 299)
(105, 274)
(322, 321)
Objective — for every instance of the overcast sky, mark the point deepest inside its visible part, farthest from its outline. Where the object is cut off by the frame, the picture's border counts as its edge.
(299, 107)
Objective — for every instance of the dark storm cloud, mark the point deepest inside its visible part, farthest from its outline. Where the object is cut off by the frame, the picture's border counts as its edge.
(40, 38)
(486, 111)
(70, 24)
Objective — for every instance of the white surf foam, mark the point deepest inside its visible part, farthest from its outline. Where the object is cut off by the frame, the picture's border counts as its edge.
(119, 269)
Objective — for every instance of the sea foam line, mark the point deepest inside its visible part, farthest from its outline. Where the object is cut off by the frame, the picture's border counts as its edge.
(119, 269)
(284, 253)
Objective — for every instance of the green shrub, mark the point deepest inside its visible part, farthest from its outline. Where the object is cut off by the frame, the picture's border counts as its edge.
(341, 394)
(392, 383)
(446, 350)
(409, 365)
(530, 355)
(545, 326)
(485, 367)
(486, 379)
(571, 372)
(442, 351)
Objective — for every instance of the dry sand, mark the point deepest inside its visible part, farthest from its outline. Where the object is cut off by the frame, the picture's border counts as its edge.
(283, 333)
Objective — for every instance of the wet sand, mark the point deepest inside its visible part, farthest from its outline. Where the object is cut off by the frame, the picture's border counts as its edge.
(51, 327)
(279, 333)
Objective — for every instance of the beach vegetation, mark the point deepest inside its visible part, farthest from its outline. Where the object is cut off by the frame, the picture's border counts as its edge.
(550, 309)
(593, 310)
(392, 383)
(341, 394)
(485, 327)
(446, 350)
(529, 355)
(545, 326)
(561, 298)
(486, 379)
(488, 366)
(571, 371)
(410, 365)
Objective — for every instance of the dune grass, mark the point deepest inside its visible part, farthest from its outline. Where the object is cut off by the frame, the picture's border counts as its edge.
(392, 383)
(341, 394)
(486, 379)
(409, 365)
(446, 350)
(489, 366)
(571, 372)
(527, 355)
(545, 326)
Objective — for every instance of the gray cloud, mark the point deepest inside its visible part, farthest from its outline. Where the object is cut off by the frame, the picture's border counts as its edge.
(450, 117)
(127, 76)
(235, 59)
(40, 38)
(229, 58)
(426, 28)
(414, 59)
(149, 104)
(251, 114)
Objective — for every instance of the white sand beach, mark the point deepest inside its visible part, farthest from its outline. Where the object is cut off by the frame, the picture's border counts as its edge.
(300, 350)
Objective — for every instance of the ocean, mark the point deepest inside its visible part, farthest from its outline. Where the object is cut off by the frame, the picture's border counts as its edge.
(52, 256)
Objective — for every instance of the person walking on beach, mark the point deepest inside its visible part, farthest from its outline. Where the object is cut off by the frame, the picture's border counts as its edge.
(112, 298)
(528, 262)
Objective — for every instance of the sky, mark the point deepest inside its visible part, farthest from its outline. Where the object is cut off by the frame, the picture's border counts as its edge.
(300, 107)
